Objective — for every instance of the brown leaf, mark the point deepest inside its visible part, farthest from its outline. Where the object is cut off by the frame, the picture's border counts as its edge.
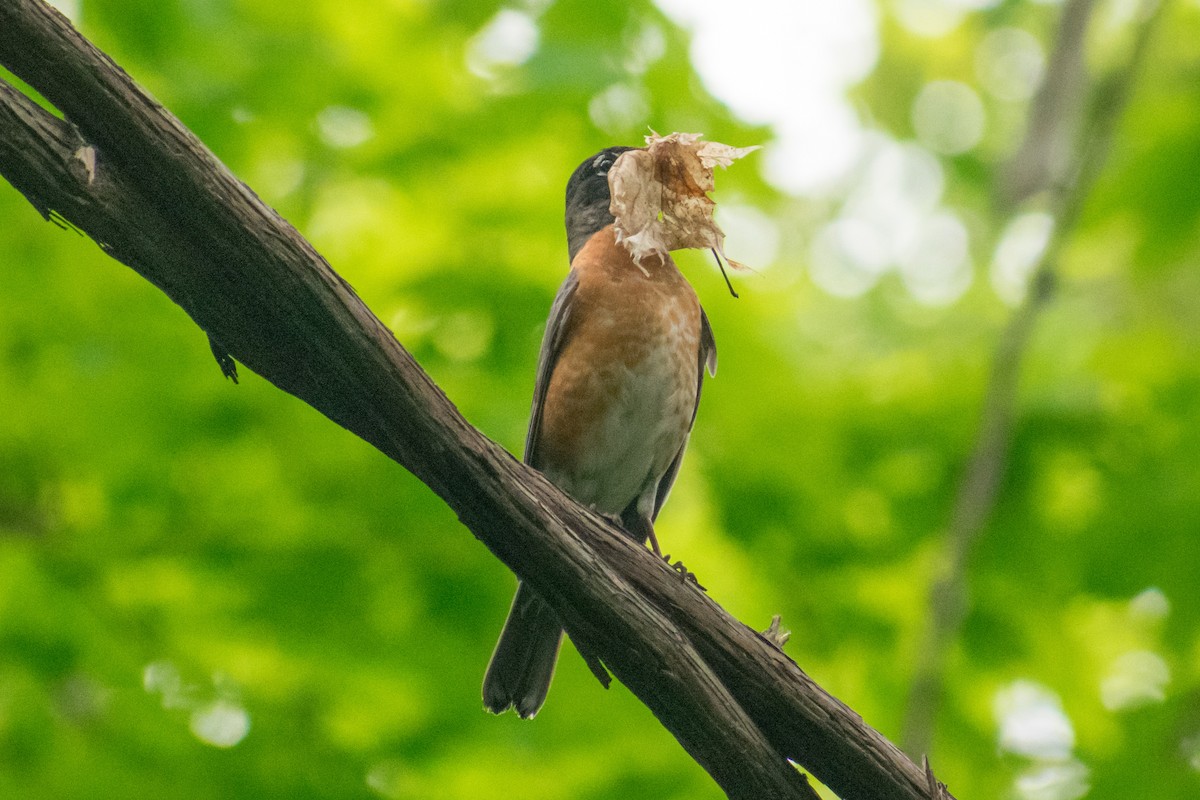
(660, 194)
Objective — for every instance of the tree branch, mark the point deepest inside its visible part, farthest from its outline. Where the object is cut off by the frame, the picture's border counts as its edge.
(127, 173)
(1042, 164)
(1052, 129)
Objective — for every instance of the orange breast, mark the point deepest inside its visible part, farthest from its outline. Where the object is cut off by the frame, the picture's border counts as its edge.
(621, 396)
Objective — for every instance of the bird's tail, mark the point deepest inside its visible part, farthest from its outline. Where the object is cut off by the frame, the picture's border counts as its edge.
(519, 673)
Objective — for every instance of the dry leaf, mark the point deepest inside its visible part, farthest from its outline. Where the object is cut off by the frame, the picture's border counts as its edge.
(660, 194)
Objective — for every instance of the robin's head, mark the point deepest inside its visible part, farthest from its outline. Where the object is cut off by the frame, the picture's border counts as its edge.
(588, 198)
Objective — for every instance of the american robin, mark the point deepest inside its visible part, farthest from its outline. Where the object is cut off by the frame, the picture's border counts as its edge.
(617, 388)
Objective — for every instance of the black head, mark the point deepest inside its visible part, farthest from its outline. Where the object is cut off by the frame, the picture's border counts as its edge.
(588, 198)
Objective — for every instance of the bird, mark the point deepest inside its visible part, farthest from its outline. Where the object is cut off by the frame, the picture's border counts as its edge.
(617, 388)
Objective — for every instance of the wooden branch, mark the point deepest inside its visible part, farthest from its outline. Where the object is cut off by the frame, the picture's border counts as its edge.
(127, 173)
(1070, 186)
(1046, 153)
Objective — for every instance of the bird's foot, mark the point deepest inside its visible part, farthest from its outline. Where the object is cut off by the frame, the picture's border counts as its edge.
(654, 542)
(687, 575)
(775, 634)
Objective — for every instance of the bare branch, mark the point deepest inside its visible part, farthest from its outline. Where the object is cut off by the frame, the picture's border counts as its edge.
(130, 175)
(1051, 132)
(1070, 184)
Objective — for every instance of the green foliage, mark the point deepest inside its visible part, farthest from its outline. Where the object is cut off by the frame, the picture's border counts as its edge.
(177, 552)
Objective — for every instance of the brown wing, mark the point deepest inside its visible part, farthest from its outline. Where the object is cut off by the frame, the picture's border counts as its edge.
(552, 341)
(707, 358)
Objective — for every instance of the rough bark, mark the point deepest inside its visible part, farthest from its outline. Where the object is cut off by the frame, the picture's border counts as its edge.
(127, 173)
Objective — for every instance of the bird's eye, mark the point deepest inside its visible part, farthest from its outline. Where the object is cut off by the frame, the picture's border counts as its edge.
(602, 163)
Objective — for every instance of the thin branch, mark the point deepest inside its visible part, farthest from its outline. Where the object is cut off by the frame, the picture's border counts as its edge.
(988, 463)
(126, 172)
(1046, 154)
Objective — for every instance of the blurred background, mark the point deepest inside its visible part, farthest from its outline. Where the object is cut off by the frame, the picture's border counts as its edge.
(954, 439)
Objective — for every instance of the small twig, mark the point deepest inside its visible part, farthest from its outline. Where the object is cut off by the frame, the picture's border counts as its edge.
(721, 266)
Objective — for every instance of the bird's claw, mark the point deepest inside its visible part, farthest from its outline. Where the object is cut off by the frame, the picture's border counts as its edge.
(687, 575)
(775, 634)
